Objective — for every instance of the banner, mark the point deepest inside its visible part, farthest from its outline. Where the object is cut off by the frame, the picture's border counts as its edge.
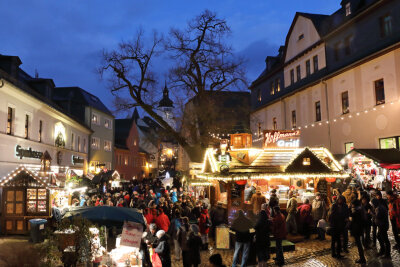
(131, 234)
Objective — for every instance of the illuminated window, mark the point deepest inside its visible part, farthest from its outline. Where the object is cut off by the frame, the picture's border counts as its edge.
(126, 160)
(259, 95)
(348, 9)
(379, 92)
(40, 130)
(107, 123)
(59, 134)
(237, 141)
(107, 145)
(274, 123)
(26, 126)
(391, 142)
(272, 88)
(95, 143)
(277, 85)
(345, 103)
(294, 123)
(10, 117)
(318, 111)
(348, 147)
(306, 161)
(95, 119)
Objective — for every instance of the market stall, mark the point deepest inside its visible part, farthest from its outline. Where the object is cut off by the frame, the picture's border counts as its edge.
(374, 168)
(305, 170)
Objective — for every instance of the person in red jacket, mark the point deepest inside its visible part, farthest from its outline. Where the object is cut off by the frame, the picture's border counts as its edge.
(149, 216)
(394, 214)
(162, 220)
(204, 226)
(305, 218)
(279, 231)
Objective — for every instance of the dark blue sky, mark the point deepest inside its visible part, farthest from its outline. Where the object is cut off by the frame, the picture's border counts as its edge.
(63, 40)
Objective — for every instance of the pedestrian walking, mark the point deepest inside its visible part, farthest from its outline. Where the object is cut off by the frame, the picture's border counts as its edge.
(358, 219)
(194, 243)
(241, 225)
(263, 229)
(279, 231)
(204, 225)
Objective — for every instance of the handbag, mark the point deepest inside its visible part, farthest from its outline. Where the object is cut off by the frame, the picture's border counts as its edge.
(155, 260)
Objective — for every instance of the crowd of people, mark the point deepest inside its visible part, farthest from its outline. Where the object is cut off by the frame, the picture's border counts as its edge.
(179, 223)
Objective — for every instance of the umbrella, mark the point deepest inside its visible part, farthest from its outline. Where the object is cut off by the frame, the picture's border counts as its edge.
(106, 215)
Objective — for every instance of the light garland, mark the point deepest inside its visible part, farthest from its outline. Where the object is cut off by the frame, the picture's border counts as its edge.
(211, 177)
(341, 117)
(201, 184)
(32, 173)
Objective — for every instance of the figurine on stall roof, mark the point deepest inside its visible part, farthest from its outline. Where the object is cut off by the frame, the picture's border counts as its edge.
(97, 249)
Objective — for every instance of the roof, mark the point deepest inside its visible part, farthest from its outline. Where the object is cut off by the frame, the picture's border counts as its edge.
(385, 156)
(81, 96)
(317, 20)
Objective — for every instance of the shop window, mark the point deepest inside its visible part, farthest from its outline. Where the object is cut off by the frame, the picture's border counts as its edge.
(36, 200)
(274, 123)
(379, 92)
(26, 126)
(107, 145)
(277, 85)
(40, 130)
(336, 48)
(308, 68)
(386, 25)
(95, 119)
(237, 141)
(391, 142)
(107, 123)
(345, 102)
(318, 111)
(298, 73)
(294, 122)
(272, 89)
(259, 95)
(348, 147)
(292, 76)
(315, 63)
(10, 121)
(95, 143)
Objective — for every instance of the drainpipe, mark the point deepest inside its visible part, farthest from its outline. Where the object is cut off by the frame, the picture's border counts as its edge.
(327, 112)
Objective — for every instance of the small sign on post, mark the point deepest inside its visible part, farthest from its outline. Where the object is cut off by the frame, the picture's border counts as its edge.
(131, 234)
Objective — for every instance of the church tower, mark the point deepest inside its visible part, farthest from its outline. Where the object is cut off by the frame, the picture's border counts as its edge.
(165, 108)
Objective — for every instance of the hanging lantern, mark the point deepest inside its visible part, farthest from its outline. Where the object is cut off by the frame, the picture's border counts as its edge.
(331, 179)
(241, 182)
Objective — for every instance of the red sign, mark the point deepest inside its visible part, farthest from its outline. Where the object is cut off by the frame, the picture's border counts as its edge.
(281, 138)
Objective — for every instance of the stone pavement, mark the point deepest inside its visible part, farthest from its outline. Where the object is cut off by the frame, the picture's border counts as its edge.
(312, 253)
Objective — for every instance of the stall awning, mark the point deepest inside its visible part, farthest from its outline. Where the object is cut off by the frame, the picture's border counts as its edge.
(384, 157)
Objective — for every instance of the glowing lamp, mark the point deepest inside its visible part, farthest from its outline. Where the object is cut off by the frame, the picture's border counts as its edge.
(330, 179)
(241, 182)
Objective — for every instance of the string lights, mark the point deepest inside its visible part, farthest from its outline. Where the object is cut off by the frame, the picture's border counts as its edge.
(42, 180)
(257, 176)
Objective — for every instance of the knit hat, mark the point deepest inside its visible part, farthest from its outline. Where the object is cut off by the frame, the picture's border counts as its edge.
(160, 233)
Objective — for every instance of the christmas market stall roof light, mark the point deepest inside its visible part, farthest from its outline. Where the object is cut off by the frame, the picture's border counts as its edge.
(272, 163)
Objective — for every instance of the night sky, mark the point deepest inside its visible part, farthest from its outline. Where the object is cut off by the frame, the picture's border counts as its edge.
(63, 39)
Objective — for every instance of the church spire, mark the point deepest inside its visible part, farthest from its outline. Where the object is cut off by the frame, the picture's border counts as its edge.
(166, 101)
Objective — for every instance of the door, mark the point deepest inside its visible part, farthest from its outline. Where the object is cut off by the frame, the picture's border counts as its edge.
(14, 211)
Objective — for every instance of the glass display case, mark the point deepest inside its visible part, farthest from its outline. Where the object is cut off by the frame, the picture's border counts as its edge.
(36, 200)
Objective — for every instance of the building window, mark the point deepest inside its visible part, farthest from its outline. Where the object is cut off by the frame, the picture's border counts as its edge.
(301, 36)
(272, 89)
(308, 68)
(95, 119)
(348, 9)
(294, 122)
(107, 123)
(84, 144)
(277, 85)
(26, 126)
(298, 73)
(386, 25)
(10, 117)
(107, 145)
(72, 141)
(348, 147)
(259, 129)
(336, 51)
(274, 123)
(386, 143)
(345, 102)
(315, 62)
(347, 45)
(79, 144)
(292, 76)
(318, 111)
(40, 130)
(259, 95)
(95, 143)
(379, 92)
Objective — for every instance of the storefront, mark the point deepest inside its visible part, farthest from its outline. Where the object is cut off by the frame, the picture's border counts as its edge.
(282, 166)
(376, 168)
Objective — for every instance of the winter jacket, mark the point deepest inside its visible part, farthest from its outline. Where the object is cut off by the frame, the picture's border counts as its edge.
(338, 217)
(204, 229)
(394, 208)
(257, 200)
(194, 243)
(304, 212)
(291, 207)
(241, 225)
(164, 252)
(318, 209)
(217, 216)
(381, 217)
(273, 201)
(279, 226)
(358, 219)
(263, 229)
(183, 236)
(162, 222)
(174, 197)
(248, 193)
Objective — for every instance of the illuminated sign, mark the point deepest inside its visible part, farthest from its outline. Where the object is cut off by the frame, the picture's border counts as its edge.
(77, 160)
(27, 153)
(281, 138)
